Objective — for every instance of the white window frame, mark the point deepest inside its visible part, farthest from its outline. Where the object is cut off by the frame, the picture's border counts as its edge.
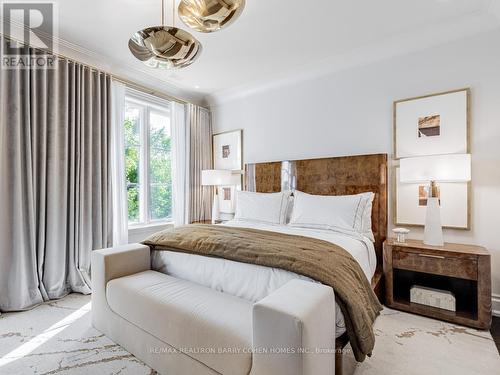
(147, 104)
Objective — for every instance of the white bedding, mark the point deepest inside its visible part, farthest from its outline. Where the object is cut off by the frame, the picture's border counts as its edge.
(253, 282)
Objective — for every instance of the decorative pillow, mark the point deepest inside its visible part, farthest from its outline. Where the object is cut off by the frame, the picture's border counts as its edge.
(348, 213)
(264, 207)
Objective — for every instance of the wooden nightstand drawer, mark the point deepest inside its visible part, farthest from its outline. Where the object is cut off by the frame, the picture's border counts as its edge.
(453, 266)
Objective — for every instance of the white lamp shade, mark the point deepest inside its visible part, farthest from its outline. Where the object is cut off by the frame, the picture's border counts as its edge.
(236, 177)
(216, 177)
(439, 168)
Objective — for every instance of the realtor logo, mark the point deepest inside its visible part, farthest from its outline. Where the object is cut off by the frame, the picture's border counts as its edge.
(28, 24)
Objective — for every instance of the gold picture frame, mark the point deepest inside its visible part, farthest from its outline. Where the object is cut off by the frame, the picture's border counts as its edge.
(227, 153)
(396, 103)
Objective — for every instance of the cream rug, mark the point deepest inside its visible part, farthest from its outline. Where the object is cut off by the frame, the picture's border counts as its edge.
(57, 338)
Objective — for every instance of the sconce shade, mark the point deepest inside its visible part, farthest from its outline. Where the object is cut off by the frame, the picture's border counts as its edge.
(439, 168)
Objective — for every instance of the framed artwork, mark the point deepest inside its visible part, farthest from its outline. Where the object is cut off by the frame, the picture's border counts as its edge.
(411, 203)
(228, 154)
(432, 125)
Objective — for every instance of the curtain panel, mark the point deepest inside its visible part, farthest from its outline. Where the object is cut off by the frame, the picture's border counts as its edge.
(55, 180)
(118, 181)
(200, 198)
(180, 164)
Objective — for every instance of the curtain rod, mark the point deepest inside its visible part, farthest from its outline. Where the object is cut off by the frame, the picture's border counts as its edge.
(113, 76)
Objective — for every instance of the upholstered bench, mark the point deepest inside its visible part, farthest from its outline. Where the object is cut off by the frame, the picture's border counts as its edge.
(178, 327)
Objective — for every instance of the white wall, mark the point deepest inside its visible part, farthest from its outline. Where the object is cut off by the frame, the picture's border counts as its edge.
(350, 112)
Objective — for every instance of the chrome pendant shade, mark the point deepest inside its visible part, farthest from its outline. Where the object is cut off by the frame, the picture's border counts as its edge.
(165, 47)
(207, 16)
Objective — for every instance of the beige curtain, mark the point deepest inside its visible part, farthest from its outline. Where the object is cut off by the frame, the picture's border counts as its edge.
(200, 198)
(55, 189)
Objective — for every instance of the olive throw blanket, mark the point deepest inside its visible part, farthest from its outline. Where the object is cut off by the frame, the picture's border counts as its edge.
(317, 259)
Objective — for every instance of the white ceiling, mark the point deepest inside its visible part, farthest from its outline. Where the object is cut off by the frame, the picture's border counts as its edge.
(273, 39)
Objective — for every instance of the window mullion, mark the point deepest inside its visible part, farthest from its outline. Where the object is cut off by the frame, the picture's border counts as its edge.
(144, 167)
(147, 162)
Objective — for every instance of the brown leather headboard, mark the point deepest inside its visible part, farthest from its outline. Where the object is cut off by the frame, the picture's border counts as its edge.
(329, 176)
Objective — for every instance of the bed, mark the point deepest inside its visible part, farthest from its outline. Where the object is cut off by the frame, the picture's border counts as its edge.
(242, 282)
(326, 176)
(253, 282)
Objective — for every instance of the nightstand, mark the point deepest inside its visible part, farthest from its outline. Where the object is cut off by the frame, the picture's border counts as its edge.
(464, 270)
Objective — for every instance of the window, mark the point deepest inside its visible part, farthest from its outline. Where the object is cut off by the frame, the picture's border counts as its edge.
(148, 161)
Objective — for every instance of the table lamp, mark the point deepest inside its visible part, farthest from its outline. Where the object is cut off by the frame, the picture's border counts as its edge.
(434, 169)
(216, 177)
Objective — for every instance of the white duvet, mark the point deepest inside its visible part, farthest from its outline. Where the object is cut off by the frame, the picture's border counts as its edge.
(253, 282)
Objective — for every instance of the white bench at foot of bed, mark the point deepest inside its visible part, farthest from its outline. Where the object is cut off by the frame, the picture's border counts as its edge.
(178, 327)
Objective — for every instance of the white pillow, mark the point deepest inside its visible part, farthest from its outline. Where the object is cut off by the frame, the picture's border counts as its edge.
(348, 213)
(264, 207)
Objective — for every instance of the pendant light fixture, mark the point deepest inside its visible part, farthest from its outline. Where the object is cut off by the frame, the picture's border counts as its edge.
(207, 16)
(165, 47)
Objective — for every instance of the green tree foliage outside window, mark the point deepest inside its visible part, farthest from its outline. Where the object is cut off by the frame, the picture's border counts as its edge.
(132, 150)
(160, 174)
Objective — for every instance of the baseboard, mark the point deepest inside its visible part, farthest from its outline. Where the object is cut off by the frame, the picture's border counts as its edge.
(495, 304)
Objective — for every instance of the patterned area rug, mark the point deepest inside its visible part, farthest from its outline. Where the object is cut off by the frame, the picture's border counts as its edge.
(57, 338)
(414, 345)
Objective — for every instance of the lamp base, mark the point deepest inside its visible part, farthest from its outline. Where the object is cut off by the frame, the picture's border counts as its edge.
(215, 209)
(433, 234)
